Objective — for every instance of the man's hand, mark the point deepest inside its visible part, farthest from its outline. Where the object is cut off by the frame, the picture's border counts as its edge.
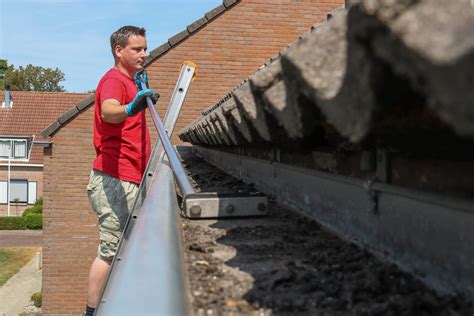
(138, 104)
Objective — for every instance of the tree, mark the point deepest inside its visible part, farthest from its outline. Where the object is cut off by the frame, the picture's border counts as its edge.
(4, 68)
(31, 78)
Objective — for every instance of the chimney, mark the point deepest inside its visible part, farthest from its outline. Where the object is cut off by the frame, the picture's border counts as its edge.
(8, 102)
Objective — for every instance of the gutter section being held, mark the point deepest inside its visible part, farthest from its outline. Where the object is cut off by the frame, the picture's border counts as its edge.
(147, 276)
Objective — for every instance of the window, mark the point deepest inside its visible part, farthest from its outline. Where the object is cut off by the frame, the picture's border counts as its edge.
(18, 191)
(21, 191)
(5, 148)
(3, 192)
(19, 149)
(31, 192)
(14, 148)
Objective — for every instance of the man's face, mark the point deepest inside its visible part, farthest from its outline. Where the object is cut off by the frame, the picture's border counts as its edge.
(132, 56)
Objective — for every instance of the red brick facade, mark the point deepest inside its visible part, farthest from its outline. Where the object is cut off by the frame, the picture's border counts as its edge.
(69, 227)
(227, 50)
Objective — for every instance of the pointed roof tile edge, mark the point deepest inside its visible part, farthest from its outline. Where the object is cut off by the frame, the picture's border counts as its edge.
(173, 41)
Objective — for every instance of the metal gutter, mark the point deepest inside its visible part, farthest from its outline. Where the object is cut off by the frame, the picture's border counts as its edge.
(148, 274)
(42, 143)
(426, 234)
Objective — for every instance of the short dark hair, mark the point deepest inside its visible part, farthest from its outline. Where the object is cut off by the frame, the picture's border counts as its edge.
(121, 36)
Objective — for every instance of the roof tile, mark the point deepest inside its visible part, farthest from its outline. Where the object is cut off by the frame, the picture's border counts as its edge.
(32, 111)
(85, 103)
(50, 129)
(215, 12)
(228, 3)
(68, 115)
(160, 50)
(196, 25)
(178, 37)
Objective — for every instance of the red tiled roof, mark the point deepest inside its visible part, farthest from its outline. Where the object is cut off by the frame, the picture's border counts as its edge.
(32, 112)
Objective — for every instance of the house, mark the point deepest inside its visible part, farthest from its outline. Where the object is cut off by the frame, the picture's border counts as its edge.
(228, 44)
(22, 117)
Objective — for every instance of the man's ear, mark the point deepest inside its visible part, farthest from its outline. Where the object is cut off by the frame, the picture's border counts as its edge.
(118, 50)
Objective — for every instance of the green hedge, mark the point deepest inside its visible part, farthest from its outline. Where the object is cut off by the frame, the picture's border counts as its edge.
(33, 221)
(32, 218)
(12, 223)
(29, 221)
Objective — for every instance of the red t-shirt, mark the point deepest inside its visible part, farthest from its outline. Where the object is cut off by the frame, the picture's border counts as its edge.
(123, 149)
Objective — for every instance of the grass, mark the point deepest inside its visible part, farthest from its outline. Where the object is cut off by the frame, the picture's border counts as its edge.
(12, 260)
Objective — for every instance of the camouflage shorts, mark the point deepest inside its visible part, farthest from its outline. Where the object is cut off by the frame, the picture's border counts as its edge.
(112, 200)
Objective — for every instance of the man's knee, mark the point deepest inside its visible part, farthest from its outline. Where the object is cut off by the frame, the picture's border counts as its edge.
(108, 246)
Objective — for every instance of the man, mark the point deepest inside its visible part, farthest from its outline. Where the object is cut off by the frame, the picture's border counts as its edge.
(122, 145)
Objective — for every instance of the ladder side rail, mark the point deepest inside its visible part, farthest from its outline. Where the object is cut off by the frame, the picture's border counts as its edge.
(173, 158)
(173, 110)
(176, 102)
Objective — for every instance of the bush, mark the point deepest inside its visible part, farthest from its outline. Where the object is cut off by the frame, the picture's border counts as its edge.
(39, 203)
(33, 221)
(36, 298)
(33, 210)
(37, 208)
(12, 223)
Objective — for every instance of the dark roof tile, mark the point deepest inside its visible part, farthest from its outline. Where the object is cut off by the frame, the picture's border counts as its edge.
(160, 50)
(50, 129)
(68, 115)
(196, 25)
(85, 103)
(229, 3)
(215, 12)
(181, 36)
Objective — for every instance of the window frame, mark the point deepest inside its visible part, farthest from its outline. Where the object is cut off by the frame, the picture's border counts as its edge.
(19, 181)
(28, 182)
(13, 140)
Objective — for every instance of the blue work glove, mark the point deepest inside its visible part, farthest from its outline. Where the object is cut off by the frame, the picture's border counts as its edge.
(141, 76)
(138, 103)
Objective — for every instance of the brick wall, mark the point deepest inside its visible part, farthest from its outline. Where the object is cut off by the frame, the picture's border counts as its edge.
(70, 233)
(24, 173)
(226, 51)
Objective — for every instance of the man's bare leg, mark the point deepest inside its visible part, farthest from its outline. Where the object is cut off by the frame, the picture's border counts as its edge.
(97, 274)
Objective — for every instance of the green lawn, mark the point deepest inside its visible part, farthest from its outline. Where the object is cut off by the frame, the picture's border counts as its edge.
(13, 259)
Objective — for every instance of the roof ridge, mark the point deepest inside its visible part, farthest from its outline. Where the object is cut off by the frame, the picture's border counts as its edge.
(152, 56)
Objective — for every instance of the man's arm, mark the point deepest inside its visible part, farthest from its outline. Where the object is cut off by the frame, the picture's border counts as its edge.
(113, 112)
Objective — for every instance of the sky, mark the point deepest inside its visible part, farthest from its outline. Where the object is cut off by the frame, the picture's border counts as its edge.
(73, 35)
